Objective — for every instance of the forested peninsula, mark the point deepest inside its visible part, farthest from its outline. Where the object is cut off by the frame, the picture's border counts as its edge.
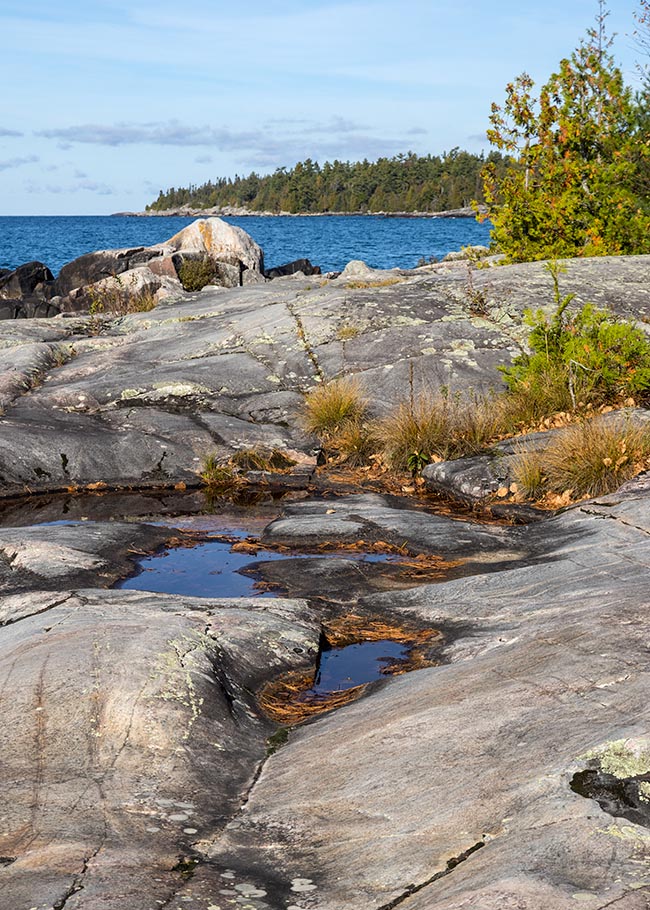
(403, 183)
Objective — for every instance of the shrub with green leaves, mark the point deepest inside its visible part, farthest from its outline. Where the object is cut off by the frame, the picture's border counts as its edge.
(195, 274)
(578, 358)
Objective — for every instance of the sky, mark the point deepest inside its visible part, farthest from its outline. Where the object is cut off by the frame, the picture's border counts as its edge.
(105, 103)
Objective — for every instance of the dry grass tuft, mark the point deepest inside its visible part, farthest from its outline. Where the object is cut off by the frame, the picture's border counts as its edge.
(594, 458)
(329, 407)
(585, 459)
(260, 459)
(438, 427)
(355, 443)
(528, 473)
(218, 476)
(347, 331)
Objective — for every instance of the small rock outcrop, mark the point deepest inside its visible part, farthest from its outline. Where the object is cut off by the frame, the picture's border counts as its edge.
(235, 258)
(302, 266)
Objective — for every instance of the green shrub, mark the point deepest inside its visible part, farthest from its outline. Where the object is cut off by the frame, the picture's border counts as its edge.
(195, 274)
(580, 358)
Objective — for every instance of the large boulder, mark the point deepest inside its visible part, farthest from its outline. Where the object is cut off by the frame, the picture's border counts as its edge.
(93, 267)
(221, 241)
(27, 280)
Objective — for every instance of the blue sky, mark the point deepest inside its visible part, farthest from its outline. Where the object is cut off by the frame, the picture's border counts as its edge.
(104, 103)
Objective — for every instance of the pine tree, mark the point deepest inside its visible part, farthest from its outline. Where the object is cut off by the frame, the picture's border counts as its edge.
(570, 188)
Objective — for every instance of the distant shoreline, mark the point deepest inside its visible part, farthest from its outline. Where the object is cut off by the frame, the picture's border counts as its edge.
(233, 212)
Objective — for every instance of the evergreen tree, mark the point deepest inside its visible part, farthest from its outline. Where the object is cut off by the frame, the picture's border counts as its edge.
(571, 183)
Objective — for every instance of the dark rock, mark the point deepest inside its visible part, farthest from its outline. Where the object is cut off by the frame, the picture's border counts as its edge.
(35, 308)
(94, 267)
(290, 268)
(27, 280)
(11, 309)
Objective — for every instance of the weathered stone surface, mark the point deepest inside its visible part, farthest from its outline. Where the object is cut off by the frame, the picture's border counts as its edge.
(206, 372)
(43, 558)
(379, 799)
(130, 732)
(26, 281)
(131, 741)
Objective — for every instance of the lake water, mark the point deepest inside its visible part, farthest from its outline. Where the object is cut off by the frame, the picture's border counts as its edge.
(328, 241)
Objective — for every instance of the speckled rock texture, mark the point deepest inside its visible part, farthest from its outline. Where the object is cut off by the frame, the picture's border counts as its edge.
(142, 399)
(136, 763)
(138, 769)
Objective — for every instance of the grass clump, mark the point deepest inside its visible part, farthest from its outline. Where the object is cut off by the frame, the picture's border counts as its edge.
(219, 476)
(528, 474)
(356, 442)
(259, 459)
(435, 427)
(347, 331)
(329, 407)
(587, 459)
(338, 414)
(115, 297)
(195, 274)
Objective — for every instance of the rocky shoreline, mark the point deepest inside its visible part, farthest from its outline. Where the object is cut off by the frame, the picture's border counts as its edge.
(242, 212)
(140, 767)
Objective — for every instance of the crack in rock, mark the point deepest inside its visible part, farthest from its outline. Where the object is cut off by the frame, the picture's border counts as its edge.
(451, 865)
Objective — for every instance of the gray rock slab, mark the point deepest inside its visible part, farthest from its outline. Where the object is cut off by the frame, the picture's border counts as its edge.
(372, 517)
(373, 805)
(251, 353)
(128, 731)
(55, 557)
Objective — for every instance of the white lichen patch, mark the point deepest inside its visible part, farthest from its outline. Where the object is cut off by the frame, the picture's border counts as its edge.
(300, 885)
(163, 390)
(127, 394)
(407, 320)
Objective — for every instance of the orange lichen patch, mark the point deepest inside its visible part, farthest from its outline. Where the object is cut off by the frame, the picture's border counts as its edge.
(100, 485)
(289, 699)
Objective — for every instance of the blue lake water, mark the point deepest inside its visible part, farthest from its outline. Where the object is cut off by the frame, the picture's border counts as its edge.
(328, 241)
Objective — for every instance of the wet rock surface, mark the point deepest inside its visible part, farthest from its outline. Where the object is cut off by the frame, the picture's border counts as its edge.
(139, 770)
(140, 767)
